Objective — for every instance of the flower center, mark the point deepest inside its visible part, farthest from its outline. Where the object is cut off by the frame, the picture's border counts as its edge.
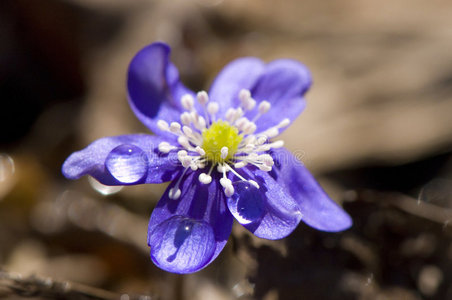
(214, 145)
(219, 135)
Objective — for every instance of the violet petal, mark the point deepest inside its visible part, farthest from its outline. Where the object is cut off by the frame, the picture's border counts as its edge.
(154, 88)
(203, 206)
(276, 216)
(318, 210)
(283, 84)
(239, 74)
(123, 160)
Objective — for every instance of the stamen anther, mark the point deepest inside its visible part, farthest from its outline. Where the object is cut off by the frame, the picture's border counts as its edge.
(200, 151)
(174, 193)
(187, 131)
(174, 127)
(227, 185)
(202, 97)
(181, 154)
(277, 144)
(254, 183)
(204, 178)
(264, 107)
(224, 152)
(185, 118)
(240, 164)
(162, 125)
(244, 95)
(183, 141)
(247, 101)
(165, 147)
(188, 102)
(284, 123)
(212, 108)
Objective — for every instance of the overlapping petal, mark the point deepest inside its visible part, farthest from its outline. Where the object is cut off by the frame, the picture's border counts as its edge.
(318, 210)
(283, 83)
(154, 88)
(279, 212)
(188, 233)
(241, 73)
(123, 160)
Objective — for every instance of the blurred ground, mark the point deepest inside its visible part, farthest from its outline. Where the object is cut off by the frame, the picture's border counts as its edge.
(377, 132)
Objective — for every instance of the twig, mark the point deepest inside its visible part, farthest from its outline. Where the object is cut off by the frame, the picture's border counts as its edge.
(35, 286)
(432, 212)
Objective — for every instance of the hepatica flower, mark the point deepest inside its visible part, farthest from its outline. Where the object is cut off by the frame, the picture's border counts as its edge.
(219, 151)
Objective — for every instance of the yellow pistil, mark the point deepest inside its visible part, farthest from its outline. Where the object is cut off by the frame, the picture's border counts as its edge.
(220, 134)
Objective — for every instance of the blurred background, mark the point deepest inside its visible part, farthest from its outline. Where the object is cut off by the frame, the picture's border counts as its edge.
(377, 133)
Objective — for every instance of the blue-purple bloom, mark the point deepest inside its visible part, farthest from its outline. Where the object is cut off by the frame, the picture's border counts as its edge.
(217, 149)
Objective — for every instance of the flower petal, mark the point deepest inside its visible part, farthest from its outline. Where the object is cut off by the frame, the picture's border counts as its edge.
(283, 84)
(188, 233)
(154, 88)
(123, 160)
(239, 74)
(182, 245)
(318, 210)
(276, 216)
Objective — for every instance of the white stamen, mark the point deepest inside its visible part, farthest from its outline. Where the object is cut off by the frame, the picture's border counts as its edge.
(181, 154)
(202, 97)
(252, 149)
(250, 128)
(247, 101)
(185, 161)
(267, 160)
(212, 108)
(230, 113)
(264, 107)
(264, 168)
(224, 152)
(229, 190)
(185, 118)
(174, 127)
(238, 113)
(221, 169)
(183, 141)
(162, 125)
(248, 148)
(200, 151)
(271, 132)
(277, 144)
(225, 182)
(204, 178)
(284, 123)
(240, 164)
(188, 102)
(254, 183)
(200, 123)
(165, 147)
(261, 140)
(251, 104)
(244, 95)
(187, 131)
(227, 185)
(174, 193)
(241, 123)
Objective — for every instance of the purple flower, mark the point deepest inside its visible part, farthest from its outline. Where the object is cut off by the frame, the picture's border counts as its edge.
(217, 149)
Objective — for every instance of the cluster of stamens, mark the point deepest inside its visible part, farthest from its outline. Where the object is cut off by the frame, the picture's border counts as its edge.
(220, 145)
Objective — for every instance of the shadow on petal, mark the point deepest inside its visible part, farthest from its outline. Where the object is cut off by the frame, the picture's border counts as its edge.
(182, 245)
